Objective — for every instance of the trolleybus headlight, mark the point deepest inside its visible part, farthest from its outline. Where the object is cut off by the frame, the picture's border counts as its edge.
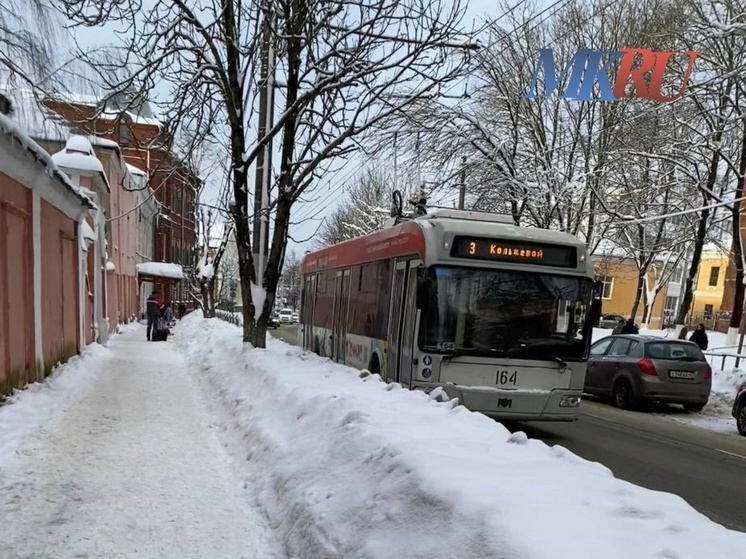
(569, 401)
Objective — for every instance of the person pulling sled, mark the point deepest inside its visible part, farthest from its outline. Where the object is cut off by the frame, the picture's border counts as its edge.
(157, 325)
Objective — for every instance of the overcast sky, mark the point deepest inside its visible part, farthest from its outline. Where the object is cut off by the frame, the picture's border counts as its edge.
(328, 193)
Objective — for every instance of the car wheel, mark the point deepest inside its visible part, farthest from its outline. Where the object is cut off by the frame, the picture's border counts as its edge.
(741, 418)
(623, 395)
(694, 407)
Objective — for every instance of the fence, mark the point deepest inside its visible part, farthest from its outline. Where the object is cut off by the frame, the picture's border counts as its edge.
(732, 360)
(232, 317)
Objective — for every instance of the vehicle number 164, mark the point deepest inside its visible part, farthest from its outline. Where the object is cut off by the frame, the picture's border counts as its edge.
(506, 378)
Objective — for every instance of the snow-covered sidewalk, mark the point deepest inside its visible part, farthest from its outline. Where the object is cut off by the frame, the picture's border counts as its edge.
(129, 465)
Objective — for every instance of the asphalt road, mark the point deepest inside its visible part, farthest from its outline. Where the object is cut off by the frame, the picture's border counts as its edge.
(705, 468)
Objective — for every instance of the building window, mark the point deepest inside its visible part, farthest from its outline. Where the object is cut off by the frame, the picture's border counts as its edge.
(708, 312)
(607, 286)
(714, 274)
(676, 275)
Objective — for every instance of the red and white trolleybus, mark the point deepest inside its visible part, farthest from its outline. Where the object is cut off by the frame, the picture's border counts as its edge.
(499, 316)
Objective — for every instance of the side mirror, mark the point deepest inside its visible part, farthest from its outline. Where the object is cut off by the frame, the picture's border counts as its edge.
(422, 292)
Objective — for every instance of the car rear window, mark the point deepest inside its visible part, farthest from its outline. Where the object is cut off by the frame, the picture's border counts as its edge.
(675, 351)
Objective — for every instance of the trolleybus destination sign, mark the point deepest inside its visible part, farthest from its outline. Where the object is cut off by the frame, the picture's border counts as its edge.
(512, 251)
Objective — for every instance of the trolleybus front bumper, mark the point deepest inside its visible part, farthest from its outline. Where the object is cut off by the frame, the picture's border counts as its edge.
(515, 405)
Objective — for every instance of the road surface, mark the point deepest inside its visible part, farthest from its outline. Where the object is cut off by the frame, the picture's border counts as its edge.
(705, 468)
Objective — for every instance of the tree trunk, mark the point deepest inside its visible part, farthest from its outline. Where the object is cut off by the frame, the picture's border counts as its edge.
(699, 243)
(737, 251)
(638, 295)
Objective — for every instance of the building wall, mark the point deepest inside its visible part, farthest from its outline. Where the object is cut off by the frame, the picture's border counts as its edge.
(621, 297)
(175, 235)
(60, 309)
(706, 294)
(17, 336)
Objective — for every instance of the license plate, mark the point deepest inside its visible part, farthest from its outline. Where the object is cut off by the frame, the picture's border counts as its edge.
(681, 374)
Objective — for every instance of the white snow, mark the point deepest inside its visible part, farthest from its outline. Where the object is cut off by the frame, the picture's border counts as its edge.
(161, 269)
(87, 235)
(78, 155)
(258, 296)
(136, 171)
(121, 459)
(359, 469)
(110, 267)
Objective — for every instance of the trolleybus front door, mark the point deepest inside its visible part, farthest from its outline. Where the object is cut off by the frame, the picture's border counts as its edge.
(339, 328)
(401, 327)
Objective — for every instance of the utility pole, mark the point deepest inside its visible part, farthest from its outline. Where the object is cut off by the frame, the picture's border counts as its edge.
(264, 159)
(462, 186)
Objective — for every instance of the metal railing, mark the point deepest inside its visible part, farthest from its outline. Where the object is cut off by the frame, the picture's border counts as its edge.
(712, 358)
(232, 317)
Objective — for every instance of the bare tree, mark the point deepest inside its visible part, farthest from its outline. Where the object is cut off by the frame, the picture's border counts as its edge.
(365, 208)
(340, 69)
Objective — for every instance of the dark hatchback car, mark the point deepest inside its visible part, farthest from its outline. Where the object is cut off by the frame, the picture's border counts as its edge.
(274, 321)
(632, 369)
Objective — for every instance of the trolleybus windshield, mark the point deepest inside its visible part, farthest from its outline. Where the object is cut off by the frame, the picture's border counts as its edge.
(516, 314)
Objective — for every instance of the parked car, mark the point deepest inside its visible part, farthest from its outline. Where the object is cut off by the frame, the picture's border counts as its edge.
(296, 316)
(610, 321)
(633, 368)
(286, 316)
(274, 321)
(739, 409)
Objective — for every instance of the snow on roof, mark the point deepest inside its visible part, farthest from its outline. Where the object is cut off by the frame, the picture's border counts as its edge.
(607, 247)
(87, 235)
(42, 123)
(161, 269)
(136, 171)
(78, 155)
(11, 128)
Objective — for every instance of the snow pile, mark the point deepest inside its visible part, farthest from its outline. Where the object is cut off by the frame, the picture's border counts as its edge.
(161, 270)
(30, 409)
(359, 469)
(258, 297)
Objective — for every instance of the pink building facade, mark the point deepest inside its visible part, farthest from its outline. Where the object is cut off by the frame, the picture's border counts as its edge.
(41, 220)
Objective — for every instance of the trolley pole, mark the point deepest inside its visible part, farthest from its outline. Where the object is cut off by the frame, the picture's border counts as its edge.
(462, 186)
(264, 159)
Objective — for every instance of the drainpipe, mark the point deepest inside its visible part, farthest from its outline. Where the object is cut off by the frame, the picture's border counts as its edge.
(37, 282)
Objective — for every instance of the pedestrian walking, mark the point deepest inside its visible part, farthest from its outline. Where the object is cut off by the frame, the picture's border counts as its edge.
(630, 327)
(699, 337)
(154, 307)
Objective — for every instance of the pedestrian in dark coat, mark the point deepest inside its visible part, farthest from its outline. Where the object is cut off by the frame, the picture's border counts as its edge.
(154, 307)
(699, 337)
(618, 328)
(630, 328)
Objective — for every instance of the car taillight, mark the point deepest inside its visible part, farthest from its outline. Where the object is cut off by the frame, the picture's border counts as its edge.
(708, 373)
(647, 367)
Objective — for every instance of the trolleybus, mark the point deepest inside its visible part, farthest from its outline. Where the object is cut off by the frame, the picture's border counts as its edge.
(499, 316)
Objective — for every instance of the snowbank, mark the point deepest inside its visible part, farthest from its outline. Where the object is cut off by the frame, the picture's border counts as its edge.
(357, 468)
(30, 409)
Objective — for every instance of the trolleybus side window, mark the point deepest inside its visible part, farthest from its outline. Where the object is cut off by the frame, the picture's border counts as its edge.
(504, 312)
(324, 299)
(370, 299)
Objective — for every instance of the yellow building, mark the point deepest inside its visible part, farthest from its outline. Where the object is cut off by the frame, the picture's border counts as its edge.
(708, 295)
(618, 273)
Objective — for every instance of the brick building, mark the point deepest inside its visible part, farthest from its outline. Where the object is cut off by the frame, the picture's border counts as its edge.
(143, 141)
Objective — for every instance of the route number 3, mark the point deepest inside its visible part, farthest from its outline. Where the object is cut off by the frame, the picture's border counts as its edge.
(506, 377)
(472, 248)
